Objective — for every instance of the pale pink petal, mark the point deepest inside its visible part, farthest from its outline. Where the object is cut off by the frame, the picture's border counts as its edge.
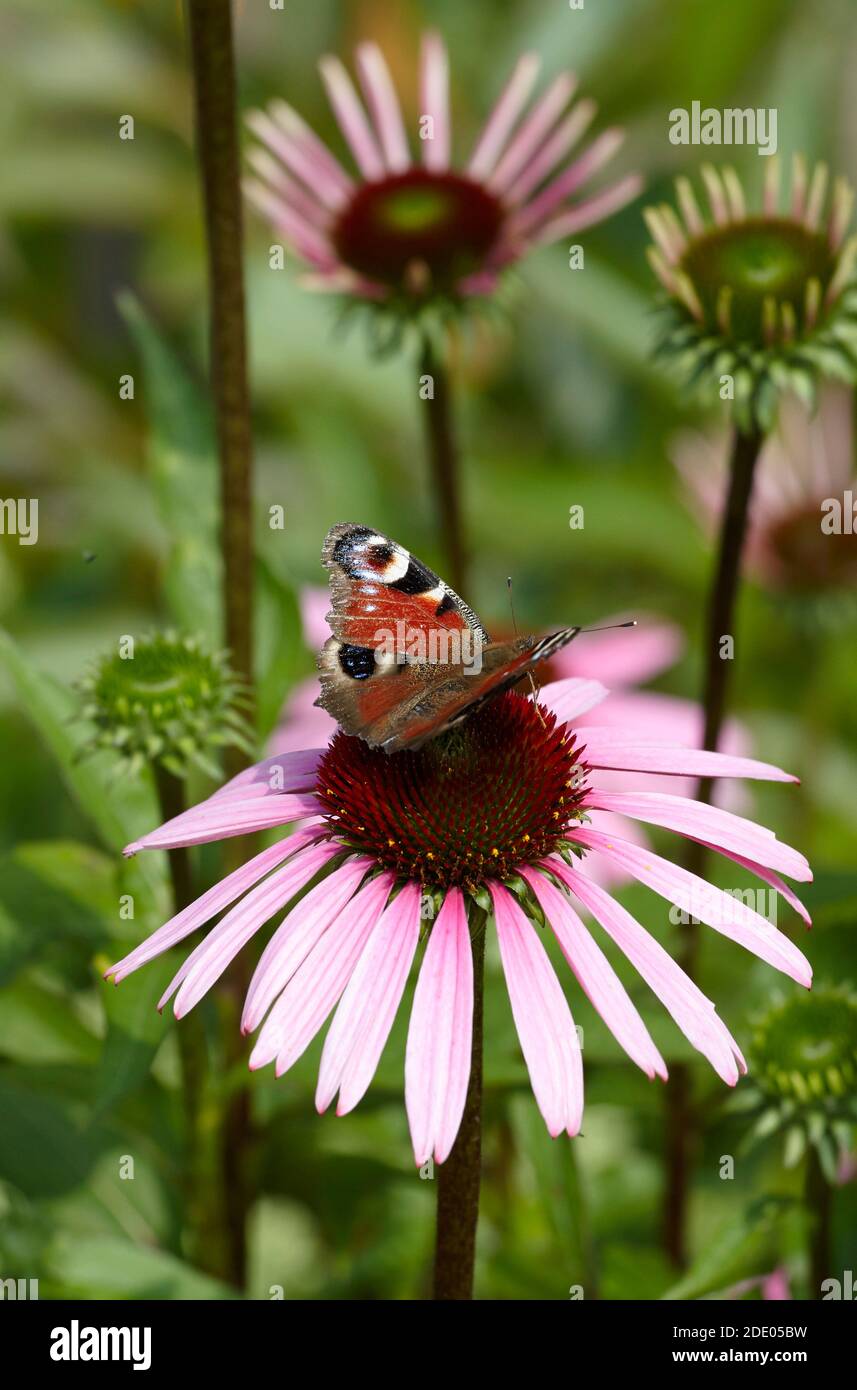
(434, 100)
(566, 135)
(319, 161)
(302, 721)
(720, 829)
(362, 1022)
(296, 157)
(542, 1017)
(590, 211)
(319, 980)
(726, 914)
(571, 697)
(296, 935)
(214, 953)
(532, 131)
(622, 658)
(437, 1060)
(685, 1002)
(302, 238)
(315, 605)
(596, 976)
(604, 871)
(212, 902)
(512, 99)
(284, 772)
(287, 189)
(535, 213)
(605, 747)
(767, 876)
(384, 105)
(775, 1286)
(220, 817)
(352, 118)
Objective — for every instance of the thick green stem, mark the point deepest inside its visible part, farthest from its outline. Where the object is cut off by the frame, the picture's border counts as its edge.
(459, 1178)
(444, 463)
(218, 152)
(681, 1118)
(819, 1202)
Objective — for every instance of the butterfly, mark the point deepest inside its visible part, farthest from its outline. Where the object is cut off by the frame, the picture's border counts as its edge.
(408, 659)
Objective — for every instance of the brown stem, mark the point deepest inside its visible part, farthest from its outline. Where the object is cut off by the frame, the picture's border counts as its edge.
(217, 148)
(681, 1117)
(198, 1179)
(445, 464)
(819, 1202)
(459, 1177)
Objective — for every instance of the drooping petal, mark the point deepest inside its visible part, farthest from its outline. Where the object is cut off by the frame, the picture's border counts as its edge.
(512, 99)
(726, 914)
(596, 976)
(329, 189)
(564, 138)
(218, 818)
(434, 100)
(542, 1017)
(572, 697)
(437, 1061)
(767, 876)
(319, 980)
(212, 902)
(295, 937)
(384, 105)
(720, 829)
(607, 747)
(207, 963)
(694, 1014)
(590, 211)
(362, 1022)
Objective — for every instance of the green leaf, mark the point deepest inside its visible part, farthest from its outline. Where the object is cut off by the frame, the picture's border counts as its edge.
(57, 892)
(135, 1030)
(280, 656)
(102, 1267)
(42, 1152)
(745, 1248)
(183, 463)
(37, 1025)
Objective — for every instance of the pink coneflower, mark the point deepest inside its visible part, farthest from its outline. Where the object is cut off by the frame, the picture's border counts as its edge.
(493, 813)
(801, 533)
(606, 659)
(402, 228)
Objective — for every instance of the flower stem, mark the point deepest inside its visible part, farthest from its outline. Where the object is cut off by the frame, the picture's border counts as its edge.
(819, 1202)
(444, 461)
(217, 146)
(460, 1176)
(193, 1055)
(681, 1116)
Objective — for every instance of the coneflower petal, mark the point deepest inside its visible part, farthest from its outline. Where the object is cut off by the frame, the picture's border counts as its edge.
(298, 1014)
(693, 1012)
(437, 1060)
(434, 101)
(362, 1022)
(596, 976)
(542, 1017)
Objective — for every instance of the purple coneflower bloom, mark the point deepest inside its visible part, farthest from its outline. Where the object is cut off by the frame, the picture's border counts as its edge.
(412, 228)
(494, 811)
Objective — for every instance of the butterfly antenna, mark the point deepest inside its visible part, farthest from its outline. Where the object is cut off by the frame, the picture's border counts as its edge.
(536, 689)
(610, 627)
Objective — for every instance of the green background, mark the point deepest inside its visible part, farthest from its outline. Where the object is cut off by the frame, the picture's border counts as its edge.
(560, 404)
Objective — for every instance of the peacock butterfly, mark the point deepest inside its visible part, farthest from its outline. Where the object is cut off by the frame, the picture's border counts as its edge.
(408, 659)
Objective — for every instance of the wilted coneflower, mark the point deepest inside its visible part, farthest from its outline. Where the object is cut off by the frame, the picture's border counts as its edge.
(490, 819)
(405, 230)
(765, 297)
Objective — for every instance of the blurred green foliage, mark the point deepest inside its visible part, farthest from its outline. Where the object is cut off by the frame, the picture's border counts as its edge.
(102, 270)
